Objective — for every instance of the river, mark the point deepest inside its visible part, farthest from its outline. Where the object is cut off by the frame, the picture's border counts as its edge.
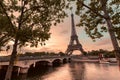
(74, 71)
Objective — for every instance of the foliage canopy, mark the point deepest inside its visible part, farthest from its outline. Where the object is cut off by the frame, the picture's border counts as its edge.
(93, 19)
(29, 19)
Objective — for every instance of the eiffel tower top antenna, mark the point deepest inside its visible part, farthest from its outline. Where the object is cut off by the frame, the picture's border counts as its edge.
(71, 10)
(73, 31)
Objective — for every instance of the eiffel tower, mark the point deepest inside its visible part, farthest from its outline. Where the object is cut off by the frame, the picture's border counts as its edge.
(74, 39)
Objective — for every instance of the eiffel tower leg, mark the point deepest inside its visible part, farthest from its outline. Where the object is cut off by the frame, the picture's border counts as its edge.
(70, 52)
(83, 52)
(66, 52)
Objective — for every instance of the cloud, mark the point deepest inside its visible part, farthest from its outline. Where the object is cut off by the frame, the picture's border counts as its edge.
(105, 41)
(64, 32)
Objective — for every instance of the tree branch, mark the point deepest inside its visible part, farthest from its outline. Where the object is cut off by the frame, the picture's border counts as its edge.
(21, 16)
(26, 17)
(4, 10)
(92, 10)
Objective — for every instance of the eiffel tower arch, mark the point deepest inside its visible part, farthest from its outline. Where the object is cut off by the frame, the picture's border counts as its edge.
(74, 43)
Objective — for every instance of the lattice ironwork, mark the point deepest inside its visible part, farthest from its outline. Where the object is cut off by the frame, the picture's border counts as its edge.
(74, 39)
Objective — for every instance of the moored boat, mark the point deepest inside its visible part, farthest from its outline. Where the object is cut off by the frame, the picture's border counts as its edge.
(103, 62)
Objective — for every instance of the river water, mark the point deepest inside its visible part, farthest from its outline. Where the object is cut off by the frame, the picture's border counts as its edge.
(74, 71)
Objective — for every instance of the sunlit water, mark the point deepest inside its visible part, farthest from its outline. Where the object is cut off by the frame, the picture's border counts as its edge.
(101, 72)
(62, 72)
(75, 71)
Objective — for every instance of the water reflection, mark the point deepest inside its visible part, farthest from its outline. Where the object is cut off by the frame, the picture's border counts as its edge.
(36, 73)
(72, 71)
(77, 70)
(60, 73)
(101, 72)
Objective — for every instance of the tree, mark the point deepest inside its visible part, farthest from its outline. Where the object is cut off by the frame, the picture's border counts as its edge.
(61, 53)
(5, 31)
(99, 16)
(30, 21)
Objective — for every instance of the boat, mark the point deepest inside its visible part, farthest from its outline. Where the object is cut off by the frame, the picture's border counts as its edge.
(103, 62)
(108, 61)
(113, 61)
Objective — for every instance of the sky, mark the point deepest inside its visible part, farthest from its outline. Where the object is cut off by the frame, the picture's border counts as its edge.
(61, 33)
(60, 38)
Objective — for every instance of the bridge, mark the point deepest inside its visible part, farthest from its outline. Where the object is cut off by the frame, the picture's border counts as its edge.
(23, 64)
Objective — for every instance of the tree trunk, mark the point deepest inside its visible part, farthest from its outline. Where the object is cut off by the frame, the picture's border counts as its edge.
(111, 32)
(12, 59)
(14, 52)
(114, 41)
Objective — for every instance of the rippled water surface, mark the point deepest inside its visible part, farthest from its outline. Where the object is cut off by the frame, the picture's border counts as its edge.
(101, 72)
(74, 71)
